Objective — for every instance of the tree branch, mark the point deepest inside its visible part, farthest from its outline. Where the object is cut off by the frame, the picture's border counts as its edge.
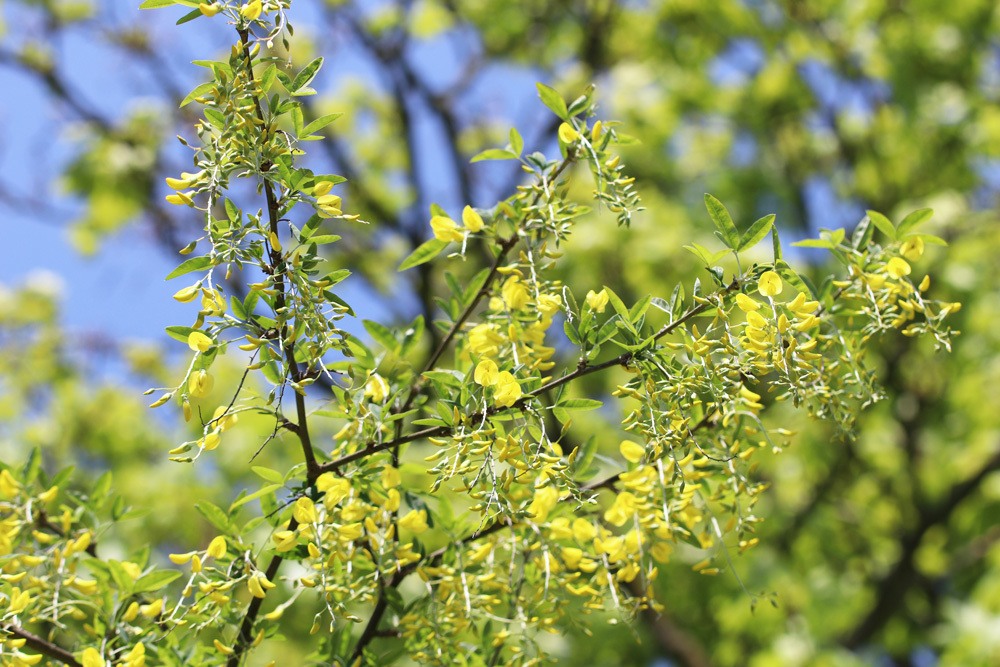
(891, 588)
(46, 648)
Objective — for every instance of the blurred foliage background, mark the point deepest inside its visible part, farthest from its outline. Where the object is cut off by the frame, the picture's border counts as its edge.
(877, 549)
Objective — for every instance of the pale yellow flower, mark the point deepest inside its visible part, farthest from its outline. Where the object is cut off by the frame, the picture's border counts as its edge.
(597, 301)
(769, 284)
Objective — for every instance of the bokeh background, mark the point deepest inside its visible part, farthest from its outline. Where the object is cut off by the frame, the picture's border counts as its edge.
(877, 549)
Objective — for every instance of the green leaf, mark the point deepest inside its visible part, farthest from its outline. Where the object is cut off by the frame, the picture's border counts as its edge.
(322, 239)
(723, 221)
(516, 142)
(579, 404)
(180, 333)
(272, 373)
(156, 4)
(319, 123)
(775, 244)
(381, 334)
(154, 581)
(617, 303)
(215, 516)
(270, 488)
(190, 16)
(639, 309)
(815, 243)
(794, 279)
(553, 100)
(268, 475)
(931, 239)
(189, 265)
(494, 154)
(446, 378)
(198, 91)
(607, 330)
(704, 254)
(307, 74)
(882, 223)
(913, 220)
(268, 77)
(757, 232)
(424, 253)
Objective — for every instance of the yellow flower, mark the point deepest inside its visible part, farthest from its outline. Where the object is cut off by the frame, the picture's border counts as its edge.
(487, 373)
(284, 540)
(213, 302)
(472, 220)
(8, 485)
(507, 391)
(131, 612)
(769, 284)
(180, 199)
(252, 10)
(186, 294)
(322, 188)
(390, 477)
(632, 452)
(897, 267)
(181, 559)
(661, 552)
(210, 441)
(258, 585)
(445, 229)
(209, 9)
(224, 421)
(91, 657)
(568, 134)
(222, 648)
(746, 304)
(335, 488)
(199, 342)
(136, 657)
(800, 306)
(200, 383)
(515, 293)
(19, 601)
(305, 511)
(597, 301)
(544, 500)
(549, 304)
(484, 339)
(350, 532)
(415, 521)
(377, 388)
(622, 509)
(583, 530)
(912, 248)
(217, 547)
(328, 205)
(153, 609)
(571, 557)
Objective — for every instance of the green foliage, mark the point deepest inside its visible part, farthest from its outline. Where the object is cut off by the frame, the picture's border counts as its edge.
(552, 445)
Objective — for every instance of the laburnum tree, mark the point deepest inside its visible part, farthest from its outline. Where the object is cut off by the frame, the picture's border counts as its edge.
(424, 492)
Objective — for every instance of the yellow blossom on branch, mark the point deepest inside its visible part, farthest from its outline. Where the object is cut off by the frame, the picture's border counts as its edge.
(597, 301)
(507, 391)
(472, 220)
(769, 284)
(445, 229)
(487, 373)
(897, 267)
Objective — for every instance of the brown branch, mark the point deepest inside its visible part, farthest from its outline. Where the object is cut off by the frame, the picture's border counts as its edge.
(46, 648)
(890, 590)
(244, 636)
